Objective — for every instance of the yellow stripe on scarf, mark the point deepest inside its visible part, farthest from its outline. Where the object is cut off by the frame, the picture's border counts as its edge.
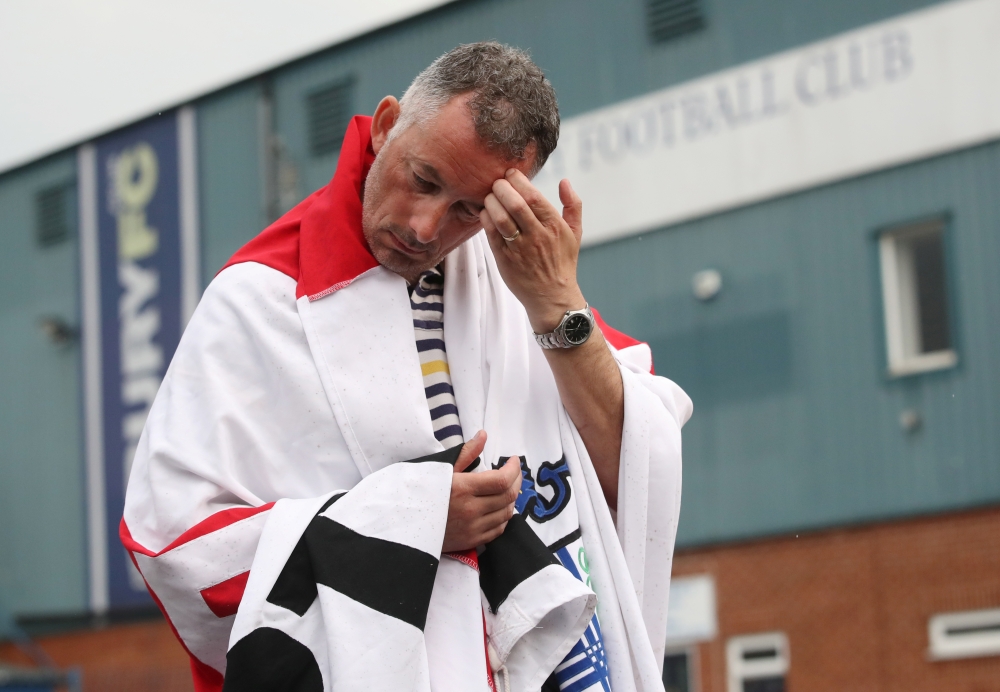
(433, 367)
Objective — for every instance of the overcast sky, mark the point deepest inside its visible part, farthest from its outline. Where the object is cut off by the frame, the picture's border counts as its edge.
(70, 69)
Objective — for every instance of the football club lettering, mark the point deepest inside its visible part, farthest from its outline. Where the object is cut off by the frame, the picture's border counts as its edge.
(554, 476)
(137, 270)
(134, 175)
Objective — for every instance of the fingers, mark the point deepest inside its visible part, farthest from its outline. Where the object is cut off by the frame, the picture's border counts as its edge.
(481, 503)
(511, 470)
(492, 503)
(489, 526)
(492, 232)
(572, 207)
(510, 479)
(504, 482)
(537, 204)
(470, 450)
(492, 236)
(499, 216)
(495, 518)
(487, 221)
(493, 535)
(527, 208)
(465, 485)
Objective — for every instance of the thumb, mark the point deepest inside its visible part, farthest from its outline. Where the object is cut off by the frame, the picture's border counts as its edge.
(470, 450)
(572, 207)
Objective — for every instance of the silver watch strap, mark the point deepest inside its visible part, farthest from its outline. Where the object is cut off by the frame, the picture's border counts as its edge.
(552, 340)
(557, 338)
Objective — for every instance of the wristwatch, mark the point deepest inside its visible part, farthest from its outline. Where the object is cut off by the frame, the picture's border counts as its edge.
(573, 330)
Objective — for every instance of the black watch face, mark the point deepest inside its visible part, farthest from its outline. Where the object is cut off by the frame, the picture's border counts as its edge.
(577, 329)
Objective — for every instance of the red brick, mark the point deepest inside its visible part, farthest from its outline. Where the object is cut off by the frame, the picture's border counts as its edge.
(855, 602)
(143, 656)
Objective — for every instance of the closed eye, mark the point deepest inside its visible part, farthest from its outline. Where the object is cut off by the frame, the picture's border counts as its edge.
(467, 214)
(423, 185)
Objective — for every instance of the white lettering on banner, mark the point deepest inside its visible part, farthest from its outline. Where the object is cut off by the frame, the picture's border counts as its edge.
(134, 175)
(917, 85)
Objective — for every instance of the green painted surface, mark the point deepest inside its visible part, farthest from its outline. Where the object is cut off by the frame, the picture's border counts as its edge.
(796, 424)
(594, 52)
(231, 206)
(42, 540)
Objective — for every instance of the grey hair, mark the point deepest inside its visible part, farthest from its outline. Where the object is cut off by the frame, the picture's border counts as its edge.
(513, 105)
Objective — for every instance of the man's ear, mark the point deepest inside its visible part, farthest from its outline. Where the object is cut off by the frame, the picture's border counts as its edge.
(383, 121)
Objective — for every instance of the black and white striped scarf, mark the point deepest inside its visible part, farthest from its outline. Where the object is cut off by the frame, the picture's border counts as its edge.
(427, 304)
(340, 591)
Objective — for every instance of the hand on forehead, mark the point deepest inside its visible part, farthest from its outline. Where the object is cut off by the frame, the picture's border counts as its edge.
(536, 246)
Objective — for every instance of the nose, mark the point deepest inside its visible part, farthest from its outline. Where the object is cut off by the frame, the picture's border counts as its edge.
(425, 221)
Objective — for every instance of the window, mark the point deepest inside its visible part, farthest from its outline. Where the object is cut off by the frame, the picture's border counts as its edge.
(691, 616)
(679, 671)
(757, 662)
(915, 298)
(690, 619)
(667, 19)
(964, 635)
(329, 110)
(52, 214)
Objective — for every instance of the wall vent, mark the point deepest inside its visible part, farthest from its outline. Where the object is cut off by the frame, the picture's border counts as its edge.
(329, 110)
(966, 634)
(669, 19)
(52, 214)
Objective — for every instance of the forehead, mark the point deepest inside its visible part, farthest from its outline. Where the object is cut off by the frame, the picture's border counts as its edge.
(449, 145)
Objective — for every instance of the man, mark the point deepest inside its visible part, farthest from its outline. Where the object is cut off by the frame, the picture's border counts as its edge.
(424, 299)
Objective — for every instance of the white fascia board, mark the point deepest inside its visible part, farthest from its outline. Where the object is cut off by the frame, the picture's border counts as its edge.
(904, 89)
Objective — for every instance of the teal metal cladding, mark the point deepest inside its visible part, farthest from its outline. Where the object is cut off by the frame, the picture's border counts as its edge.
(796, 424)
(42, 527)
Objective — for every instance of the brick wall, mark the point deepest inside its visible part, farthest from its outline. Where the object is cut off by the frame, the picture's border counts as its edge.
(855, 602)
(136, 657)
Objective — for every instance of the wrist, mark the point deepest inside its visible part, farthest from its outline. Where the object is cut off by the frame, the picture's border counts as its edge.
(546, 317)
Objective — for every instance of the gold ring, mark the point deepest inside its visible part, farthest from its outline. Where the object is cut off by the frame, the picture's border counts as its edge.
(513, 237)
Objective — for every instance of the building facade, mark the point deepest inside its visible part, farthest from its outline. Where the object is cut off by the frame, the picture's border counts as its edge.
(795, 204)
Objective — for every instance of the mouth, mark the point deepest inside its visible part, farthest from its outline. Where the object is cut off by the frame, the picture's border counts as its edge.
(404, 247)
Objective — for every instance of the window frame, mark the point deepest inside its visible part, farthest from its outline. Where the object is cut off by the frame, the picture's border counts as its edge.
(945, 647)
(896, 306)
(691, 651)
(739, 670)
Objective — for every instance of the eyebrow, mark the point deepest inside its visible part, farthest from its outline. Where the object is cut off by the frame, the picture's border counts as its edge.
(428, 171)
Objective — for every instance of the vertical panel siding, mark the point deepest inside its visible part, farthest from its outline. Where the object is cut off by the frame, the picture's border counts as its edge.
(796, 423)
(230, 185)
(594, 52)
(42, 541)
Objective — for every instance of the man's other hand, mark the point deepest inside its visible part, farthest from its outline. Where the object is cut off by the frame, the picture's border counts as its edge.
(481, 503)
(538, 263)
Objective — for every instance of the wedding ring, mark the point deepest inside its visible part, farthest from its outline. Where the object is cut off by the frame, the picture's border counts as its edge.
(516, 233)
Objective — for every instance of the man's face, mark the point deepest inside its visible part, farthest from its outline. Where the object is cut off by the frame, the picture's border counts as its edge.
(426, 188)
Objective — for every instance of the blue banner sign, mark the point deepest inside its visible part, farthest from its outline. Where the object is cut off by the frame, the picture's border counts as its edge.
(138, 233)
